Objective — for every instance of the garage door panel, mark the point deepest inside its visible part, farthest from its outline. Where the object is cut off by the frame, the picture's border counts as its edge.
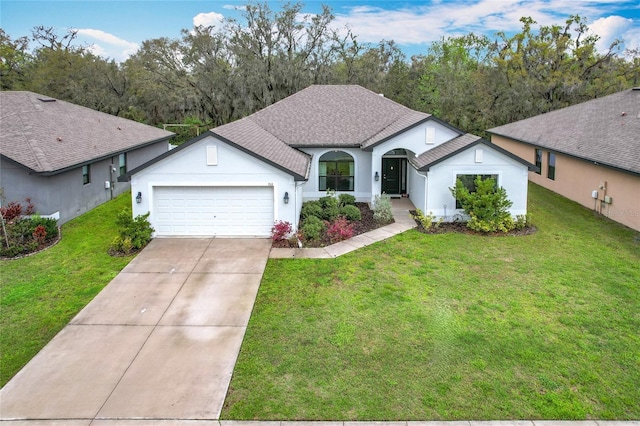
(228, 211)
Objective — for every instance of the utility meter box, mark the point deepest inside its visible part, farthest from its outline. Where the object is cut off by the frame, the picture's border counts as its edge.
(608, 199)
(594, 194)
(107, 184)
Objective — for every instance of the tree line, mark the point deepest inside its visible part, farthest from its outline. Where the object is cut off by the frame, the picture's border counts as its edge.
(211, 75)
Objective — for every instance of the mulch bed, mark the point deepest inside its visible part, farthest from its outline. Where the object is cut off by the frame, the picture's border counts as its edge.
(365, 224)
(42, 247)
(461, 228)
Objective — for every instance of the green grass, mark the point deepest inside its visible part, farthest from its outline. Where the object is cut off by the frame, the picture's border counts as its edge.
(446, 327)
(40, 294)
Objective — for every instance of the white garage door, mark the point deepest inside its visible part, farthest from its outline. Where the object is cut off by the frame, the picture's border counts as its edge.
(209, 211)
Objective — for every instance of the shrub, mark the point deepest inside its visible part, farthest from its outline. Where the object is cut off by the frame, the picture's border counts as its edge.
(281, 230)
(311, 208)
(122, 245)
(330, 213)
(382, 212)
(340, 230)
(39, 234)
(351, 212)
(312, 228)
(14, 210)
(427, 221)
(488, 207)
(11, 211)
(50, 225)
(346, 200)
(523, 221)
(137, 230)
(329, 201)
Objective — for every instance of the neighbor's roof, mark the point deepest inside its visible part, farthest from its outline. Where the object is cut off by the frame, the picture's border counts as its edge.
(48, 135)
(604, 130)
(453, 147)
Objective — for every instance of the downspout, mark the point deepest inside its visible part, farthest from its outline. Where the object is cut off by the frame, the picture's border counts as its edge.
(426, 192)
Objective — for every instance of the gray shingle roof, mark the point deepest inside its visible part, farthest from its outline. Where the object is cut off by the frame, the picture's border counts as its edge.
(334, 115)
(443, 151)
(604, 130)
(249, 136)
(54, 135)
(456, 145)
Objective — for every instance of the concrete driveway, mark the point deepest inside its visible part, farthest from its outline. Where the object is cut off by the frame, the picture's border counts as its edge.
(159, 342)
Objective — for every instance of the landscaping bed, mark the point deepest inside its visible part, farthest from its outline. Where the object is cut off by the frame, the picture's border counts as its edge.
(459, 226)
(332, 219)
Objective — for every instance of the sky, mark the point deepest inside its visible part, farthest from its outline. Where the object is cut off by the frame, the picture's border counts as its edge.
(115, 29)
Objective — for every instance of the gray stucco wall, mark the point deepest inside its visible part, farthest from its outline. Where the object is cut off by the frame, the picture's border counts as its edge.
(65, 192)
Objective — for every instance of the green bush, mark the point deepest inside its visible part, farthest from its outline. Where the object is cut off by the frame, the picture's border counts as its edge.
(523, 221)
(311, 208)
(136, 230)
(25, 235)
(50, 225)
(346, 200)
(488, 207)
(351, 212)
(426, 220)
(382, 212)
(331, 213)
(329, 201)
(312, 228)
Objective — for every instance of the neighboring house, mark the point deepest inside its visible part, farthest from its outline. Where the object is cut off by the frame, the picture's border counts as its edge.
(66, 158)
(237, 179)
(589, 153)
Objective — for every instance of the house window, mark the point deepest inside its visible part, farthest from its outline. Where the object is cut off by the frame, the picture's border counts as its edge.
(336, 171)
(539, 161)
(86, 171)
(122, 162)
(469, 182)
(551, 166)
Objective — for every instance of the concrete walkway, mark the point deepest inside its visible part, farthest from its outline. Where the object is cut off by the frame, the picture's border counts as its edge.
(403, 222)
(159, 342)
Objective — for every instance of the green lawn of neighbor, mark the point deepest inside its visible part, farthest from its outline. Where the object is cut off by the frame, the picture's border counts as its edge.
(446, 327)
(41, 293)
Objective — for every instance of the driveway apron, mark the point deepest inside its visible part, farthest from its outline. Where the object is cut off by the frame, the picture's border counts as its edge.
(159, 342)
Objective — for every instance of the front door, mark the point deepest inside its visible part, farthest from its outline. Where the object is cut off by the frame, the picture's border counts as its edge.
(391, 175)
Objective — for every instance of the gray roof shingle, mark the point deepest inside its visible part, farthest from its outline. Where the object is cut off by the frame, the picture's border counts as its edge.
(604, 130)
(443, 151)
(456, 145)
(252, 138)
(52, 135)
(334, 115)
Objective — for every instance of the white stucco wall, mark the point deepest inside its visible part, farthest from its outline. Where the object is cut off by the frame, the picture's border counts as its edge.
(188, 167)
(414, 141)
(362, 173)
(512, 175)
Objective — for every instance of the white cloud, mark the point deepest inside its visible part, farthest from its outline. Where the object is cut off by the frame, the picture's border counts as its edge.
(207, 19)
(610, 29)
(108, 45)
(420, 25)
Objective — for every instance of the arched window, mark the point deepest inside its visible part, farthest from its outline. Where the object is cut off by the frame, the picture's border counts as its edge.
(336, 171)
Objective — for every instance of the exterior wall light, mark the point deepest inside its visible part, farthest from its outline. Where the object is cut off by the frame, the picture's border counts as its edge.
(286, 198)
(377, 176)
(139, 198)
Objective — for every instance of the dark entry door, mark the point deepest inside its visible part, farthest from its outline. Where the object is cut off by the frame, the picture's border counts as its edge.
(391, 175)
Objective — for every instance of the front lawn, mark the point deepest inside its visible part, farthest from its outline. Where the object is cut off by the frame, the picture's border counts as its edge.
(41, 293)
(452, 326)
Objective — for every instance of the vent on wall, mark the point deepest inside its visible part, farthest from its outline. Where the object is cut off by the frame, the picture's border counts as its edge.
(478, 156)
(212, 155)
(430, 135)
